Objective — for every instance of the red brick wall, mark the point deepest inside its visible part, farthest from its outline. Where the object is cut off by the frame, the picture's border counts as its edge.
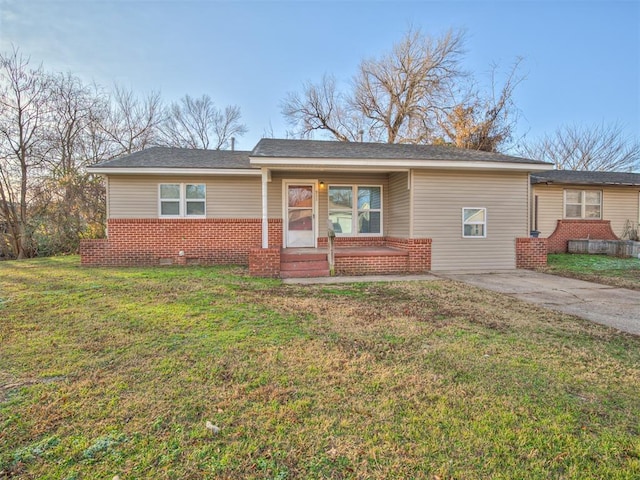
(264, 262)
(578, 229)
(531, 252)
(417, 258)
(154, 241)
(371, 265)
(419, 252)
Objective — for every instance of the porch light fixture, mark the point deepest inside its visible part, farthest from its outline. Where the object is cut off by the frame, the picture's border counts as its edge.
(321, 185)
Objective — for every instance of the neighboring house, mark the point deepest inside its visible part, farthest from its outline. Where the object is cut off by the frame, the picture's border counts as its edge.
(569, 204)
(393, 208)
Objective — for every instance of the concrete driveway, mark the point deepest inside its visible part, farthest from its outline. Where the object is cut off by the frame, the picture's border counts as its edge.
(616, 307)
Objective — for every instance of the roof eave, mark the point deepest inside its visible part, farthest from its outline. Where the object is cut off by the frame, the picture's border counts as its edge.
(584, 182)
(172, 171)
(392, 164)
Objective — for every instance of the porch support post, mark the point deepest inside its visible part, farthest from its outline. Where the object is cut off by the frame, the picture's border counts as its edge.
(265, 210)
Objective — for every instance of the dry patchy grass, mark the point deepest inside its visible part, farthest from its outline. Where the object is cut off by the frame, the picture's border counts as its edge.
(116, 371)
(614, 271)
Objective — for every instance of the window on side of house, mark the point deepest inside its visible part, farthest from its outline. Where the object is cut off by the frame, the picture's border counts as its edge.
(356, 209)
(474, 222)
(583, 204)
(182, 200)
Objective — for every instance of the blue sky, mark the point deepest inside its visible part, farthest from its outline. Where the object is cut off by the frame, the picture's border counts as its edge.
(581, 58)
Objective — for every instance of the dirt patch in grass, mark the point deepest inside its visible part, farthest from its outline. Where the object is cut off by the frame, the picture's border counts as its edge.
(400, 380)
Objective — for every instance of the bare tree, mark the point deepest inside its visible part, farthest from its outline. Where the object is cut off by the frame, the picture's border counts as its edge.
(401, 92)
(65, 208)
(482, 122)
(321, 107)
(131, 123)
(395, 98)
(198, 123)
(24, 101)
(596, 148)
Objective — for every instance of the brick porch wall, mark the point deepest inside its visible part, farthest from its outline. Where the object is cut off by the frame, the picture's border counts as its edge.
(371, 264)
(140, 242)
(264, 262)
(531, 253)
(414, 257)
(578, 229)
(419, 252)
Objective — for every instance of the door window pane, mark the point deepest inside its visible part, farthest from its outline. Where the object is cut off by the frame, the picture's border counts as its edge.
(300, 196)
(301, 219)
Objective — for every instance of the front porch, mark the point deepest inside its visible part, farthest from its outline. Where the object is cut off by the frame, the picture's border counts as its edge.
(382, 257)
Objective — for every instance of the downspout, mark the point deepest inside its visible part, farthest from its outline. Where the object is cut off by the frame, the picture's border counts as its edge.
(265, 210)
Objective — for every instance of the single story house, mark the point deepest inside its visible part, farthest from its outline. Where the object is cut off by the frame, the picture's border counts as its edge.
(567, 204)
(393, 208)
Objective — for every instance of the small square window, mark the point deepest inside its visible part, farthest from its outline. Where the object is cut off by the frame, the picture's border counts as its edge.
(474, 222)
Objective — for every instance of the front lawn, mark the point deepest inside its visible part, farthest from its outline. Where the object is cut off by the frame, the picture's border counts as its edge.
(614, 271)
(108, 372)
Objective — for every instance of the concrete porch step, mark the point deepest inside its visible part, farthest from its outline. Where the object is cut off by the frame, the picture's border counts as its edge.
(302, 257)
(304, 273)
(304, 265)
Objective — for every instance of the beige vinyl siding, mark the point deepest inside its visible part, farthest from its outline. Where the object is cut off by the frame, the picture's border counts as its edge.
(550, 205)
(136, 196)
(398, 209)
(440, 196)
(275, 193)
(619, 204)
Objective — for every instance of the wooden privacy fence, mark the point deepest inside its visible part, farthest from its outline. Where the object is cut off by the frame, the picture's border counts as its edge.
(618, 248)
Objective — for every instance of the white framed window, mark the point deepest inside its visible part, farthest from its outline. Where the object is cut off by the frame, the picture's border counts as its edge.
(182, 200)
(583, 204)
(356, 209)
(474, 222)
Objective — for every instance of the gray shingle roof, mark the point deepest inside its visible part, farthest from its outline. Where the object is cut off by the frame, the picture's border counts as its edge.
(270, 147)
(165, 157)
(586, 178)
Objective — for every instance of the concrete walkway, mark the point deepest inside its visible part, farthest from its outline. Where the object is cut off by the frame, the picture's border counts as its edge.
(616, 307)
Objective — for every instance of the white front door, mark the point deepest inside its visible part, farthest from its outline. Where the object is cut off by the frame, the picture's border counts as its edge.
(300, 215)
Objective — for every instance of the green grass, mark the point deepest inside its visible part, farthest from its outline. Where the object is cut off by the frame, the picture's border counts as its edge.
(615, 271)
(108, 372)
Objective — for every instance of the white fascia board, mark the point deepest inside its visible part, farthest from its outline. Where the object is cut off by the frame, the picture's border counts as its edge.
(173, 171)
(387, 165)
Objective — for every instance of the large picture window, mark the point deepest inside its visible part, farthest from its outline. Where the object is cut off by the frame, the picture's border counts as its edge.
(474, 222)
(182, 200)
(583, 204)
(355, 209)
